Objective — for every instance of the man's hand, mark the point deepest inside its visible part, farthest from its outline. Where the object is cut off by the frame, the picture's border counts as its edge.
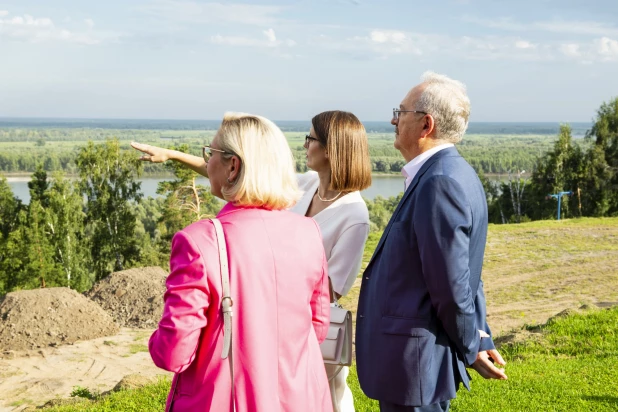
(484, 363)
(153, 154)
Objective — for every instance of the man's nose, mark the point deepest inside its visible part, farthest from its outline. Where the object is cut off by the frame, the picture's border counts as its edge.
(394, 121)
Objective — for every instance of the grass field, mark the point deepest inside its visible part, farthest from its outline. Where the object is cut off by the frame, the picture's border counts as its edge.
(532, 271)
(570, 364)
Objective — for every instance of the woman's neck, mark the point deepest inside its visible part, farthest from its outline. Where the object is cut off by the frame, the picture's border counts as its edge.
(324, 187)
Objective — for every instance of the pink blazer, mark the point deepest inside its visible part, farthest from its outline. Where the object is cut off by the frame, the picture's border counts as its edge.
(279, 285)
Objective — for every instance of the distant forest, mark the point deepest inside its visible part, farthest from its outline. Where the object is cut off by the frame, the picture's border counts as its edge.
(491, 148)
(532, 128)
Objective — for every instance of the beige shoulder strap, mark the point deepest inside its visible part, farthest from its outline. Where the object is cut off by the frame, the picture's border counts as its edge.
(226, 301)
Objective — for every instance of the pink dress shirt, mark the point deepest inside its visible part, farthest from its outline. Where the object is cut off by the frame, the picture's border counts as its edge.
(279, 285)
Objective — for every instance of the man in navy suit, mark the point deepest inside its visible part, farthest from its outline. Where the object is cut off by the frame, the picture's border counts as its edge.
(421, 312)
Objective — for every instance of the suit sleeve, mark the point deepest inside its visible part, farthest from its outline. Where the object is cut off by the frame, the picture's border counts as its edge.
(442, 222)
(173, 345)
(481, 319)
(346, 257)
(320, 303)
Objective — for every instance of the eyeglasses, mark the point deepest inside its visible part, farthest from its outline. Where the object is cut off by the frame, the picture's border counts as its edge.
(207, 152)
(309, 138)
(397, 111)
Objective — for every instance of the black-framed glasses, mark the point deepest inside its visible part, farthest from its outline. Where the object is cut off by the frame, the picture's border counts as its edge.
(397, 111)
(207, 152)
(309, 138)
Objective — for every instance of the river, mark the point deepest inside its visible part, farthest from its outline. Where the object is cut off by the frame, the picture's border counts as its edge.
(384, 186)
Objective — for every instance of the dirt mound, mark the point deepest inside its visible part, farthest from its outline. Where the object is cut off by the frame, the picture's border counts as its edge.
(134, 381)
(31, 319)
(133, 297)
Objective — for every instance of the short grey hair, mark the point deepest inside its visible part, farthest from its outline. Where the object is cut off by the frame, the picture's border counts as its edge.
(447, 102)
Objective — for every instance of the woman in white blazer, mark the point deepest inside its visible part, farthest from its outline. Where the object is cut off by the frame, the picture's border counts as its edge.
(338, 154)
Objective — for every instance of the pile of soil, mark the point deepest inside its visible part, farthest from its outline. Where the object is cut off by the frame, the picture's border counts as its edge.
(133, 297)
(31, 319)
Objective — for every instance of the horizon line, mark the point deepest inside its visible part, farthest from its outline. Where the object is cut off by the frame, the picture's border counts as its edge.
(4, 118)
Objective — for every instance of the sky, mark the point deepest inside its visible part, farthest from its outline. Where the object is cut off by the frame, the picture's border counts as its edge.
(523, 61)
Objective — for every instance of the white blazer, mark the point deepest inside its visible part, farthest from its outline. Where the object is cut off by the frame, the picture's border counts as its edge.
(344, 226)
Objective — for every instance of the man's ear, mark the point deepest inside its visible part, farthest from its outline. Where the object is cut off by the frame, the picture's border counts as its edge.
(428, 126)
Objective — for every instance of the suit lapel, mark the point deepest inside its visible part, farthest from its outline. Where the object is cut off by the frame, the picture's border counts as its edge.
(408, 192)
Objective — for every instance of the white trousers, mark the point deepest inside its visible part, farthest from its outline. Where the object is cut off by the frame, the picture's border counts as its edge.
(340, 393)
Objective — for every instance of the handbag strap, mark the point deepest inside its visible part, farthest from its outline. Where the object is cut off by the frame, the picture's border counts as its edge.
(226, 302)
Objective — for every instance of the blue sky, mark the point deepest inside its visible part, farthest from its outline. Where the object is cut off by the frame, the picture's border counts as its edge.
(542, 60)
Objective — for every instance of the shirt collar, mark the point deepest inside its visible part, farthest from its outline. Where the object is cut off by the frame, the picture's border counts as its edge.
(414, 165)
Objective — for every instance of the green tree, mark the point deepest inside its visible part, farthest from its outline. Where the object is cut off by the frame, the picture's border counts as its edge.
(39, 265)
(561, 169)
(107, 179)
(10, 208)
(185, 201)
(38, 186)
(601, 188)
(65, 226)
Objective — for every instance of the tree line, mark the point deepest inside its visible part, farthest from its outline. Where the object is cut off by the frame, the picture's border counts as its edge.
(487, 154)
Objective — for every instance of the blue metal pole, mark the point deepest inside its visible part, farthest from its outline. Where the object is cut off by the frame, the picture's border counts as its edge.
(559, 201)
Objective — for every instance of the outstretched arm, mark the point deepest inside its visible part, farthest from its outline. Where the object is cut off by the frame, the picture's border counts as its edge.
(155, 154)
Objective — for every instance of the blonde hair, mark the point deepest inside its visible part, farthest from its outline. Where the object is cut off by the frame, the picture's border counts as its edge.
(267, 176)
(345, 140)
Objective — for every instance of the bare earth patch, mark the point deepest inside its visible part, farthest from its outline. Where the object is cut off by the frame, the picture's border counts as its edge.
(33, 377)
(38, 318)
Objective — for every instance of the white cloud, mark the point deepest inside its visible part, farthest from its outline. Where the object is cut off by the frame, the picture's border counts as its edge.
(4, 13)
(31, 29)
(608, 48)
(198, 12)
(270, 34)
(522, 44)
(590, 28)
(378, 42)
(570, 50)
(89, 23)
(270, 41)
(383, 44)
(603, 49)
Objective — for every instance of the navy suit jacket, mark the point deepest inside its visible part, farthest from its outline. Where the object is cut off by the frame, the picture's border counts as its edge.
(421, 301)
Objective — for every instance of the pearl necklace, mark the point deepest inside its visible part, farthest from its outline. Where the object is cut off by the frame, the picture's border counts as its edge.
(328, 200)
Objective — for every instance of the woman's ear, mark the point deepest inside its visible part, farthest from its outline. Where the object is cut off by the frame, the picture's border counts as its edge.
(234, 169)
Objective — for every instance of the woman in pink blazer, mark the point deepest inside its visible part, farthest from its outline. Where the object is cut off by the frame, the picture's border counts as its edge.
(278, 282)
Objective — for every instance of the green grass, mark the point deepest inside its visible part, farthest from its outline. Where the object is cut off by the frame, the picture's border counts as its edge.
(569, 364)
(149, 398)
(137, 347)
